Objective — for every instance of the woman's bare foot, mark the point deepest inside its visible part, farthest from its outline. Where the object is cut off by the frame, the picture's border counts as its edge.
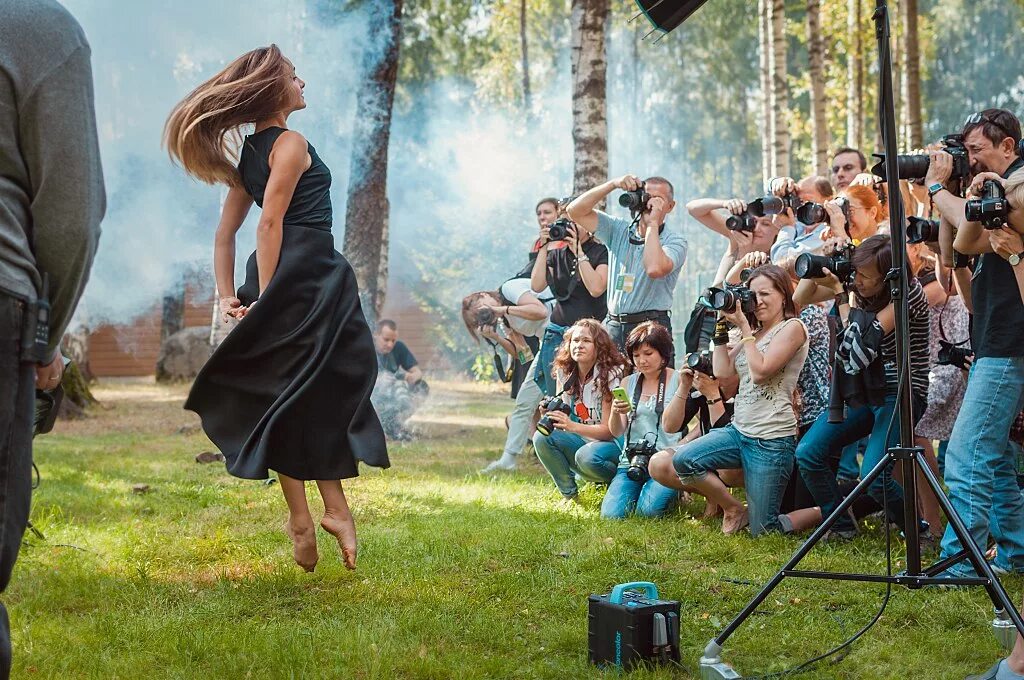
(711, 509)
(303, 545)
(735, 519)
(343, 528)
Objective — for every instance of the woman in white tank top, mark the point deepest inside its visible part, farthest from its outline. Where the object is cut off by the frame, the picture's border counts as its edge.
(762, 436)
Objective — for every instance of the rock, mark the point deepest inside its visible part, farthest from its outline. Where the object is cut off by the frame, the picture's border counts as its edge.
(209, 457)
(188, 429)
(140, 488)
(183, 354)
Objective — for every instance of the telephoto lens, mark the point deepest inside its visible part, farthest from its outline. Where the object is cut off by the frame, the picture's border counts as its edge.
(811, 213)
(922, 230)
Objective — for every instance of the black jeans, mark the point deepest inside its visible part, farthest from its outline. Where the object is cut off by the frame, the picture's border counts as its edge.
(17, 391)
(620, 331)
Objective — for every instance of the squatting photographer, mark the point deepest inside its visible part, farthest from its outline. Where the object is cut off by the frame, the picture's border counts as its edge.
(980, 466)
(644, 256)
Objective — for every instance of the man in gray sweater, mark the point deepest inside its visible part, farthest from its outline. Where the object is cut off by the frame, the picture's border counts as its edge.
(51, 204)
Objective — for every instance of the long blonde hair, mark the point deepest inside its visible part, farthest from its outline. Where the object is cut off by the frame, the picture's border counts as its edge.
(202, 132)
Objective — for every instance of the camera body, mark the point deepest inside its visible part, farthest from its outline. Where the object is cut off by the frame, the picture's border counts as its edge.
(761, 207)
(546, 425)
(915, 166)
(726, 298)
(701, 363)
(639, 455)
(744, 222)
(991, 208)
(952, 355)
(636, 201)
(485, 316)
(840, 263)
(814, 213)
(560, 229)
(922, 230)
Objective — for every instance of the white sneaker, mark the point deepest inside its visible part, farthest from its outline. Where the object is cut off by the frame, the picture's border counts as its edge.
(506, 462)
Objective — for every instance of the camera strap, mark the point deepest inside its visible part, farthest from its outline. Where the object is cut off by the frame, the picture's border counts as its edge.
(942, 330)
(499, 366)
(659, 407)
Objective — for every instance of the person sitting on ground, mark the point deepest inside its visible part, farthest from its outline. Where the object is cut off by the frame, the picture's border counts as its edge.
(762, 436)
(640, 420)
(400, 387)
(587, 367)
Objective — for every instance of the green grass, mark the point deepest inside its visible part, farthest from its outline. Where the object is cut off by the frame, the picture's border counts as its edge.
(460, 575)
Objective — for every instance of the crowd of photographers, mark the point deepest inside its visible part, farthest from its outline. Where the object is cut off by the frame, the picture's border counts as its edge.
(788, 384)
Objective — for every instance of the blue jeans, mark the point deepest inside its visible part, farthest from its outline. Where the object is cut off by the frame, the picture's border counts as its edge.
(825, 441)
(981, 465)
(565, 454)
(549, 344)
(646, 499)
(849, 468)
(767, 465)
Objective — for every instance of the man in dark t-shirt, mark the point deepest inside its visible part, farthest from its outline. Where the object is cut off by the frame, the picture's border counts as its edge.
(400, 386)
(980, 461)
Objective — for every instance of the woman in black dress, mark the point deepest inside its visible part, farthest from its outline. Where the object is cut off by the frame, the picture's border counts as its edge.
(289, 389)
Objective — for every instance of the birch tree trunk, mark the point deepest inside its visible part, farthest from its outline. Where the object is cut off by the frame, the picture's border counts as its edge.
(527, 98)
(780, 88)
(589, 79)
(912, 82)
(854, 77)
(366, 214)
(767, 121)
(816, 60)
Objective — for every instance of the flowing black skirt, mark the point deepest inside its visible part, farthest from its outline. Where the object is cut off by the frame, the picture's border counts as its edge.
(289, 388)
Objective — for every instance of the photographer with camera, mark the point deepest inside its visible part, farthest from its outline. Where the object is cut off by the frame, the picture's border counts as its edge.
(640, 419)
(762, 436)
(400, 388)
(573, 436)
(509, 318)
(847, 164)
(577, 276)
(980, 466)
(865, 376)
(809, 221)
(748, 227)
(644, 256)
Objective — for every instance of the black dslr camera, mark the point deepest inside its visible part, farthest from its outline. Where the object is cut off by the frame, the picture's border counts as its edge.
(840, 263)
(991, 209)
(951, 354)
(639, 456)
(726, 298)
(485, 316)
(636, 201)
(761, 207)
(815, 213)
(916, 166)
(922, 230)
(701, 363)
(560, 229)
(546, 425)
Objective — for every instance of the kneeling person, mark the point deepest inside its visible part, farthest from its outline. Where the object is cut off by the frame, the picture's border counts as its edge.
(640, 419)
(400, 387)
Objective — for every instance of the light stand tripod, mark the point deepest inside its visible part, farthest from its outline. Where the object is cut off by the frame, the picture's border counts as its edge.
(907, 455)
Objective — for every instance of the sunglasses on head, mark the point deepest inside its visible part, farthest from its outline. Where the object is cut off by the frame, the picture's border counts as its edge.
(978, 118)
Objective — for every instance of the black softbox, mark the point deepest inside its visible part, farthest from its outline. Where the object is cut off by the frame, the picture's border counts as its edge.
(666, 15)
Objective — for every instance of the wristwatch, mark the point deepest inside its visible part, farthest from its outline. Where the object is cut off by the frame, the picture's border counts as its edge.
(935, 188)
(1015, 259)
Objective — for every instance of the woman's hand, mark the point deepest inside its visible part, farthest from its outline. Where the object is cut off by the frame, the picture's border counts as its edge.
(736, 206)
(754, 260)
(621, 408)
(707, 386)
(737, 318)
(978, 184)
(836, 220)
(561, 421)
(864, 179)
(489, 332)
(231, 307)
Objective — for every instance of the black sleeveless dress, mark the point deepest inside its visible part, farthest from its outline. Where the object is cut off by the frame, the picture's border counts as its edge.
(289, 388)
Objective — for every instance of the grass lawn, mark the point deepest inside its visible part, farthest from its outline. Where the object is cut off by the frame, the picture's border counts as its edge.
(460, 575)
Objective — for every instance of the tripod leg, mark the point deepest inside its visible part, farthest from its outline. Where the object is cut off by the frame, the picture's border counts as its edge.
(807, 546)
(995, 589)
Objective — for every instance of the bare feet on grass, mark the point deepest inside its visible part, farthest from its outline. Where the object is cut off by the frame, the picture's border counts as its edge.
(735, 520)
(711, 509)
(343, 528)
(303, 544)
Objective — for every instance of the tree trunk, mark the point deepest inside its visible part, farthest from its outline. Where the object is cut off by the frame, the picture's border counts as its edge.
(780, 88)
(913, 79)
(527, 99)
(75, 346)
(816, 60)
(366, 214)
(589, 78)
(854, 77)
(77, 395)
(767, 122)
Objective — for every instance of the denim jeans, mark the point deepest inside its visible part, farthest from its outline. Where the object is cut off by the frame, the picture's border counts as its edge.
(549, 344)
(767, 465)
(981, 464)
(566, 454)
(825, 442)
(17, 391)
(849, 468)
(521, 418)
(646, 499)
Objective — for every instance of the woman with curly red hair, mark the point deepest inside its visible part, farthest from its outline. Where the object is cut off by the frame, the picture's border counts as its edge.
(587, 367)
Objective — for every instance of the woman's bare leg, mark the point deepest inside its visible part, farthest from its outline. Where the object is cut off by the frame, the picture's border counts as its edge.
(734, 513)
(338, 520)
(805, 518)
(300, 523)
